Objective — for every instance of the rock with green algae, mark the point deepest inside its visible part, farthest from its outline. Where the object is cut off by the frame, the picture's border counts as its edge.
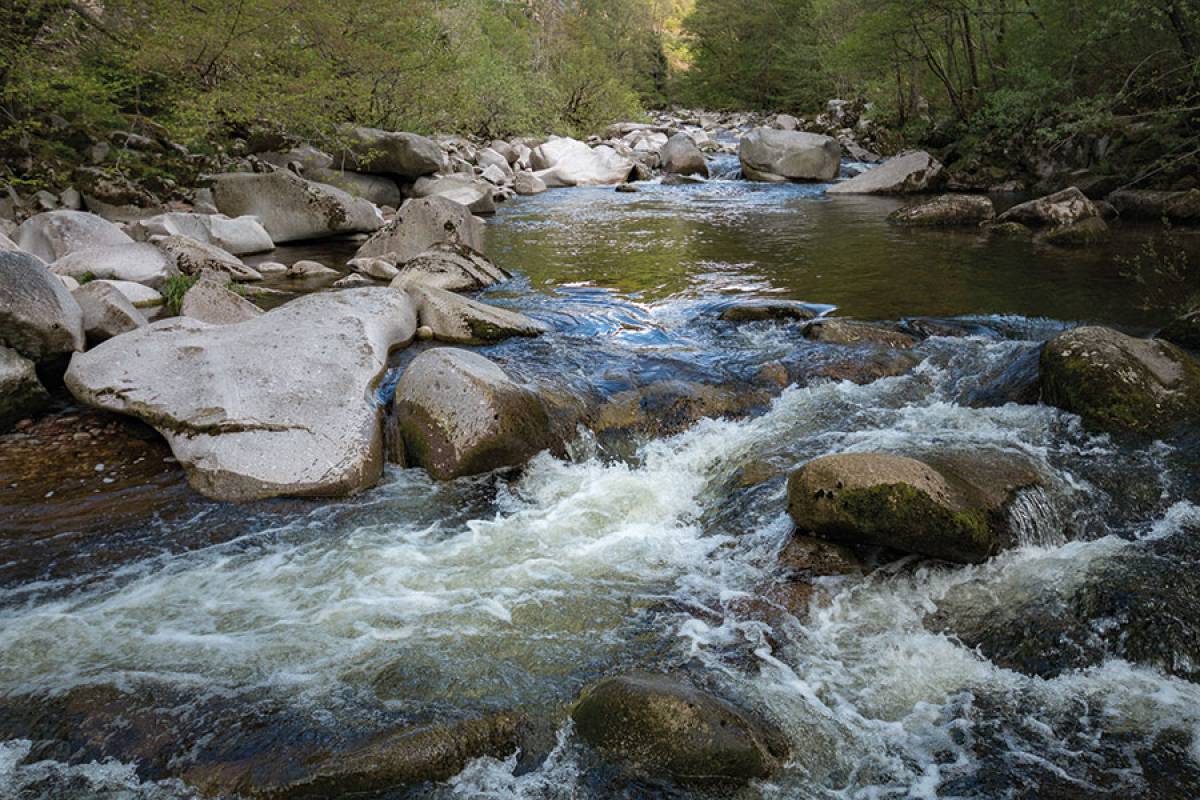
(663, 727)
(1121, 384)
(954, 510)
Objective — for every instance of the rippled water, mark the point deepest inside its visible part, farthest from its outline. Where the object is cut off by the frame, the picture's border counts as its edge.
(212, 633)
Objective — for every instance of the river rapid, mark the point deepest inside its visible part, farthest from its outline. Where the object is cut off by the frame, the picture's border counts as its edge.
(145, 635)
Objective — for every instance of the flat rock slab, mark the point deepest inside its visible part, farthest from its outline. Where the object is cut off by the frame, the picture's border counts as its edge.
(280, 405)
(908, 172)
(136, 262)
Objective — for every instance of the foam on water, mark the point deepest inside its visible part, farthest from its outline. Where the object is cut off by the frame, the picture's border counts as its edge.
(390, 597)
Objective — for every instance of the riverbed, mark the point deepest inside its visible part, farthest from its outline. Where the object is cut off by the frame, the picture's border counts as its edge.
(146, 632)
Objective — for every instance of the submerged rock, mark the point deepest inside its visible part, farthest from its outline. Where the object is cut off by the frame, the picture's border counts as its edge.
(38, 317)
(209, 301)
(460, 414)
(291, 208)
(1120, 384)
(778, 156)
(1089, 230)
(662, 727)
(1066, 207)
(664, 408)
(106, 312)
(21, 394)
(759, 310)
(282, 404)
(946, 210)
(54, 234)
(420, 224)
(955, 511)
(843, 331)
(137, 262)
(1177, 207)
(906, 173)
(390, 761)
(453, 267)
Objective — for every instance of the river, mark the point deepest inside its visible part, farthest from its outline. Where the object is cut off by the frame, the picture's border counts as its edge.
(145, 630)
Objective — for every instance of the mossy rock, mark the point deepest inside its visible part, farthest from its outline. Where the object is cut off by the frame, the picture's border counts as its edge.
(1010, 230)
(1121, 384)
(954, 510)
(662, 727)
(1092, 230)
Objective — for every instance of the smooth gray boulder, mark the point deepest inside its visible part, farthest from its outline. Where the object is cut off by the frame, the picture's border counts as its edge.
(404, 155)
(283, 404)
(453, 267)
(460, 414)
(381, 190)
(455, 319)
(106, 312)
(471, 192)
(420, 224)
(488, 157)
(906, 173)
(7, 244)
(374, 267)
(659, 726)
(681, 156)
(38, 317)
(563, 162)
(136, 262)
(53, 234)
(195, 258)
(778, 156)
(239, 236)
(291, 208)
(21, 394)
(526, 183)
(209, 301)
(139, 295)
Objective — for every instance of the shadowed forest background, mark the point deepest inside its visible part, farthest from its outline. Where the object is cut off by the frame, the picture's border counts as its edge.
(1004, 86)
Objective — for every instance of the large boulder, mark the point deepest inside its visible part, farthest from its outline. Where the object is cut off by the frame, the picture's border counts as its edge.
(421, 223)
(778, 156)
(453, 267)
(460, 414)
(526, 183)
(1121, 384)
(136, 262)
(956, 511)
(404, 155)
(106, 312)
(467, 190)
(455, 319)
(947, 210)
(195, 258)
(291, 208)
(681, 156)
(662, 727)
(238, 236)
(916, 171)
(488, 157)
(564, 162)
(283, 404)
(1178, 207)
(381, 190)
(1066, 207)
(53, 234)
(209, 301)
(20, 392)
(38, 317)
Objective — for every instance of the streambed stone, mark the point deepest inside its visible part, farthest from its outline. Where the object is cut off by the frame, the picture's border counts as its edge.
(658, 726)
(106, 312)
(453, 267)
(38, 317)
(53, 234)
(283, 404)
(459, 413)
(21, 394)
(850, 332)
(1121, 384)
(196, 258)
(137, 262)
(970, 210)
(778, 156)
(420, 224)
(953, 511)
(455, 319)
(291, 208)
(1066, 207)
(209, 301)
(915, 171)
(239, 236)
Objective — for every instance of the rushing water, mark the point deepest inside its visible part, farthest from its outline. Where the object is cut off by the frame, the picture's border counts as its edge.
(202, 633)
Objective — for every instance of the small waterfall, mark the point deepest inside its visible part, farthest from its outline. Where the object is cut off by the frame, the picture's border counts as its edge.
(1035, 519)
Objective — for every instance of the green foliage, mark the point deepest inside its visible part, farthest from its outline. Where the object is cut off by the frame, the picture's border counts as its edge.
(173, 290)
(1165, 273)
